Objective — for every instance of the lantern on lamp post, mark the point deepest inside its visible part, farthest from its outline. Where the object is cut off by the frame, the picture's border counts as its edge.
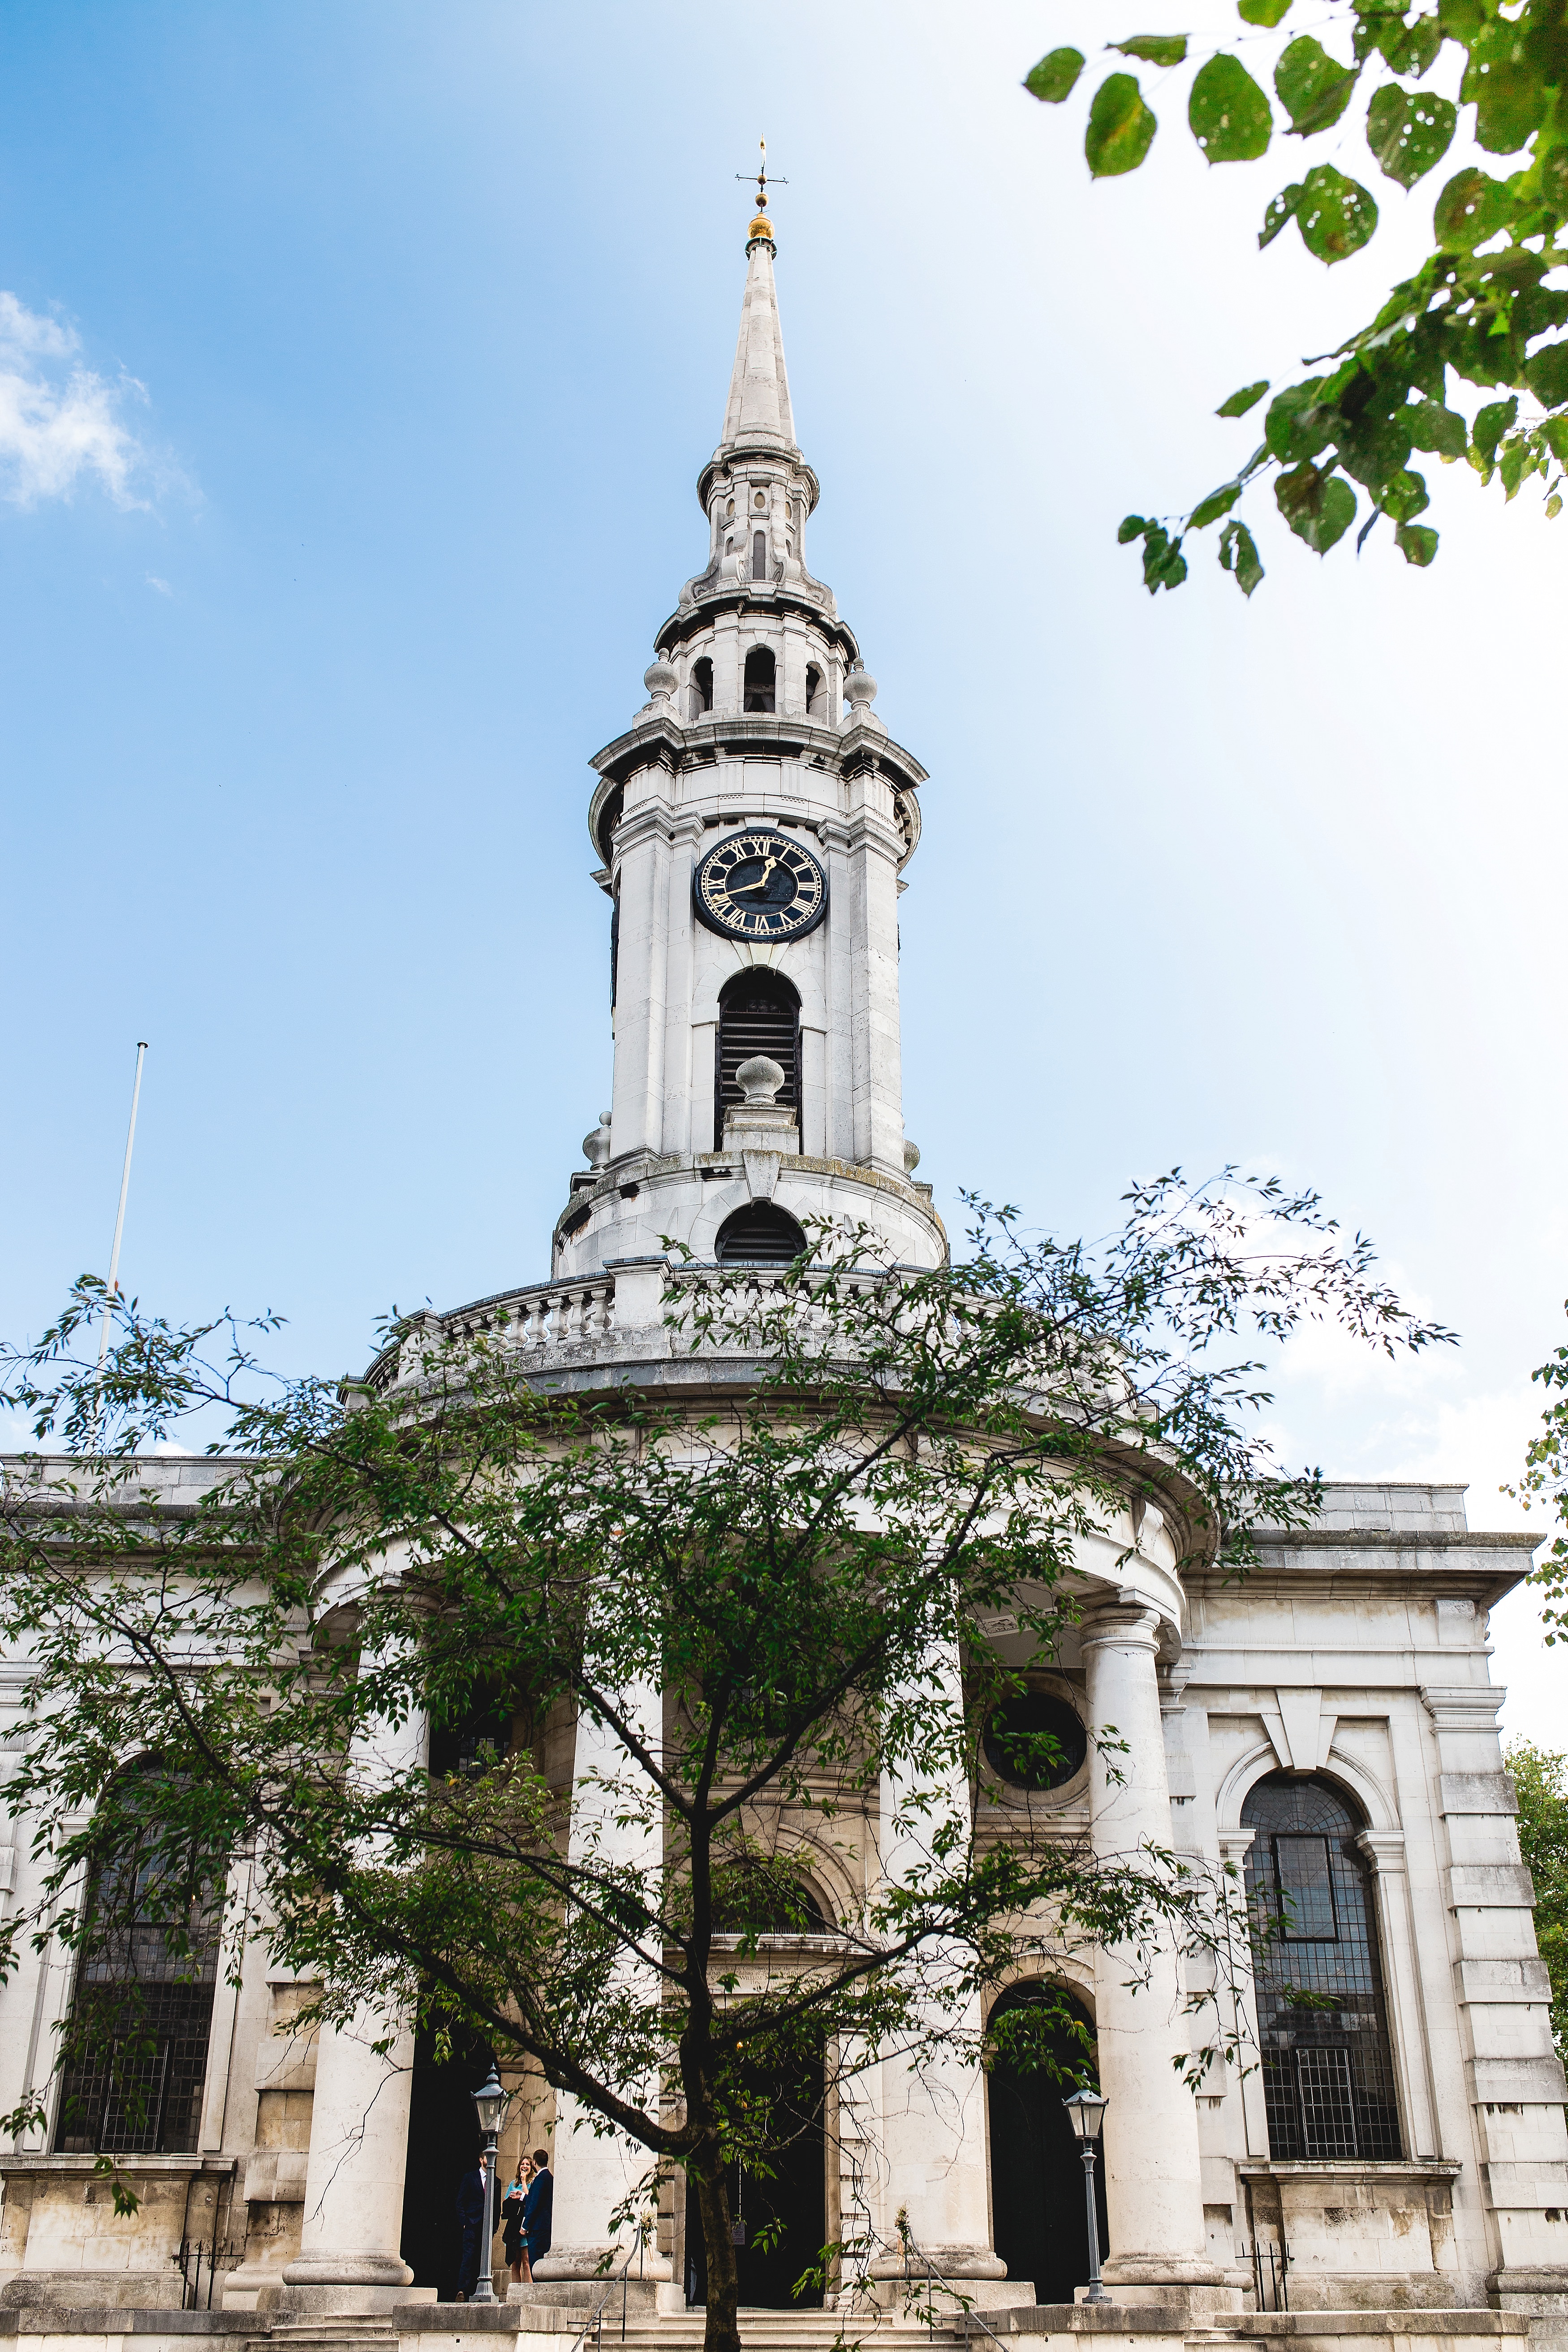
(1087, 2112)
(489, 2104)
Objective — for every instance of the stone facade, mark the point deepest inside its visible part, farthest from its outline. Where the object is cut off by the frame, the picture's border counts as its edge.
(1397, 2165)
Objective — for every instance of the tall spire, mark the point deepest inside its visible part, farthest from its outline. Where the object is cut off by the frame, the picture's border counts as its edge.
(759, 415)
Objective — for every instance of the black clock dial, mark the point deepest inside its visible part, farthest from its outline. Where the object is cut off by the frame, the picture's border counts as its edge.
(760, 885)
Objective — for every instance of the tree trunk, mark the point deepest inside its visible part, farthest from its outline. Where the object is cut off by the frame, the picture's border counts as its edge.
(722, 2332)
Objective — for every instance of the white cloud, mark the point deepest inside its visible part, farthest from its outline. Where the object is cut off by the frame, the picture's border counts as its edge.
(60, 422)
(162, 585)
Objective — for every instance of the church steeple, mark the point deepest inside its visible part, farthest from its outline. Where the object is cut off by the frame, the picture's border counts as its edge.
(752, 825)
(759, 415)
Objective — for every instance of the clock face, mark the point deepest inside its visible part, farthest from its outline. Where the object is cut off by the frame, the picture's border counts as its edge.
(760, 886)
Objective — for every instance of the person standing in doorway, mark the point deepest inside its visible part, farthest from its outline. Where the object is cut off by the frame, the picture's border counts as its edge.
(514, 2245)
(537, 2206)
(470, 2205)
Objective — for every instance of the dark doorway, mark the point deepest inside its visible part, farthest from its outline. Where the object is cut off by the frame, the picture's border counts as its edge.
(787, 2211)
(1037, 2173)
(443, 2143)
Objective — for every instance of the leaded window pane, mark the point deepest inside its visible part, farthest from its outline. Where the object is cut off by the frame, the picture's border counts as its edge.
(1327, 2069)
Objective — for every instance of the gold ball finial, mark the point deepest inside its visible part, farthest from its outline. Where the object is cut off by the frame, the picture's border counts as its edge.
(761, 228)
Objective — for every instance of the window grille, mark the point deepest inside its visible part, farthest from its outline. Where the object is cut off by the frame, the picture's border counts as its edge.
(758, 1013)
(759, 1235)
(136, 2040)
(1327, 2064)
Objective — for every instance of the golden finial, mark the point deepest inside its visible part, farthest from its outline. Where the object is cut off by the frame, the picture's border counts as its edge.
(761, 227)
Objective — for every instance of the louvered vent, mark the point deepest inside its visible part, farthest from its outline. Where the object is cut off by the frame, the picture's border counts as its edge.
(757, 1014)
(759, 1235)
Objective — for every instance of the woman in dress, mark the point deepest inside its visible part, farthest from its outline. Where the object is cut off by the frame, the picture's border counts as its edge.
(514, 2245)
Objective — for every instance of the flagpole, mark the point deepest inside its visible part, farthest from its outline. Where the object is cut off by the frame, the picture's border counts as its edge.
(119, 1213)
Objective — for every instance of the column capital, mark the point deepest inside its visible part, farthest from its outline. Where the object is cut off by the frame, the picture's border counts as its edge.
(1119, 1625)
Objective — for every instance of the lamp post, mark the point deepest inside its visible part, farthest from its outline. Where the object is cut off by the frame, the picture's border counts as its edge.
(489, 2100)
(1087, 2110)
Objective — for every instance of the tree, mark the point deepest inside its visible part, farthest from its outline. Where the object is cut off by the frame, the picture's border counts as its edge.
(1480, 305)
(759, 1587)
(1545, 1480)
(1539, 1777)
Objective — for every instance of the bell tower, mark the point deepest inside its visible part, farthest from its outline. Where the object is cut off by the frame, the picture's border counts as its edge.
(752, 827)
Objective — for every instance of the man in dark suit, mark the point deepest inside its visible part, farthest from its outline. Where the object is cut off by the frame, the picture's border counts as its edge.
(537, 2206)
(471, 2221)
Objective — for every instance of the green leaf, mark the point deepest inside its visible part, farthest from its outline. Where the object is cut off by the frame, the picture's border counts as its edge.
(1491, 423)
(1507, 83)
(1240, 401)
(1261, 12)
(1289, 438)
(1210, 509)
(1546, 374)
(1554, 432)
(1053, 79)
(1461, 19)
(1336, 215)
(1314, 88)
(1238, 553)
(1282, 208)
(1320, 507)
(1229, 114)
(1154, 48)
(1409, 130)
(1164, 565)
(1403, 495)
(1437, 428)
(1120, 127)
(1410, 48)
(1132, 527)
(1470, 209)
(1416, 543)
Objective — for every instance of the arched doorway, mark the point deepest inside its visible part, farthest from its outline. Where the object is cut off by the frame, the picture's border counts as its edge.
(782, 2220)
(1037, 2173)
(443, 2143)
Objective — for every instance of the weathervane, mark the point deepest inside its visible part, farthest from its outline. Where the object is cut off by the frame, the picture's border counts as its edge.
(763, 181)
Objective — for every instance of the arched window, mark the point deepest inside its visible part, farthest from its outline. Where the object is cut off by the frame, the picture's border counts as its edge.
(759, 555)
(759, 680)
(763, 1900)
(759, 1012)
(701, 690)
(134, 2051)
(759, 1235)
(1035, 1740)
(1328, 2070)
(814, 708)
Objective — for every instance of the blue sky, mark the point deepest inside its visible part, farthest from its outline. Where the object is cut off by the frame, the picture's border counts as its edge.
(367, 356)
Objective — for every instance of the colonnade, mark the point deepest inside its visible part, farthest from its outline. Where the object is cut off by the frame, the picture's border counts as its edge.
(929, 2120)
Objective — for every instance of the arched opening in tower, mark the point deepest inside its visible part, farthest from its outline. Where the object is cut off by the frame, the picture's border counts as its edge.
(759, 1235)
(759, 1012)
(758, 693)
(759, 555)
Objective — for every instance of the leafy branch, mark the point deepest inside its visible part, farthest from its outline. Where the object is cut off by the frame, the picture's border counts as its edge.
(1480, 305)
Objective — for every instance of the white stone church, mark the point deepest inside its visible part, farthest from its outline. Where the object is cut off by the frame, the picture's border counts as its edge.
(1396, 2163)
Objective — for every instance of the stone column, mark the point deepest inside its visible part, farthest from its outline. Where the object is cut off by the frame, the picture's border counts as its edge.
(1153, 2180)
(932, 2119)
(349, 2254)
(597, 2172)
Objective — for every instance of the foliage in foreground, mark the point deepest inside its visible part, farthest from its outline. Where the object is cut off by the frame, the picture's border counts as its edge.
(794, 1557)
(1540, 1776)
(1480, 305)
(1545, 1480)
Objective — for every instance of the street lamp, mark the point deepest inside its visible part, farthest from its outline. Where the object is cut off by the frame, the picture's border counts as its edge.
(489, 2100)
(1087, 2110)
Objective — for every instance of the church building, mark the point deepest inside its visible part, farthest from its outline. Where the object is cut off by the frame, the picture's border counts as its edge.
(1395, 2161)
